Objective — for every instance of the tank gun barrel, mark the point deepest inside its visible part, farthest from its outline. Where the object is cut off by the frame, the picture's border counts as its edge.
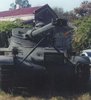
(42, 30)
(47, 28)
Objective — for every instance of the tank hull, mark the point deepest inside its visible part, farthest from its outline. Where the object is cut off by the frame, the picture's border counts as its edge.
(32, 77)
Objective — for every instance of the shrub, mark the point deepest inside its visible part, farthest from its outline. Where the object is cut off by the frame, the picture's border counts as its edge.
(82, 36)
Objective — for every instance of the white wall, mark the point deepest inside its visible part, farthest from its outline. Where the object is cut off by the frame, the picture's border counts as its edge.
(22, 17)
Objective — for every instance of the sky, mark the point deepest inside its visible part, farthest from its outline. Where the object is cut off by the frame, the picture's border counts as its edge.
(67, 5)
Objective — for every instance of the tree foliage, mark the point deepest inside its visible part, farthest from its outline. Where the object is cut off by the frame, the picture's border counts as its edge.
(7, 26)
(21, 3)
(82, 36)
(84, 9)
(12, 6)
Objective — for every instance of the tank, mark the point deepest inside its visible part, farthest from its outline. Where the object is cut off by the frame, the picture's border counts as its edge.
(42, 55)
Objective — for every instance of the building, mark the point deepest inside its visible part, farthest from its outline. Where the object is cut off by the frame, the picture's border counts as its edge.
(23, 14)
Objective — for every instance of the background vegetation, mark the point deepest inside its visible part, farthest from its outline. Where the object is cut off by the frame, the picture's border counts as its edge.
(7, 26)
(82, 37)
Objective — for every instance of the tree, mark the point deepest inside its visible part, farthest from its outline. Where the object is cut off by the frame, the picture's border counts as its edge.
(21, 3)
(82, 36)
(84, 9)
(12, 6)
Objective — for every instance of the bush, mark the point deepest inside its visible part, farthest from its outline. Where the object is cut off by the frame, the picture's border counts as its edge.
(82, 36)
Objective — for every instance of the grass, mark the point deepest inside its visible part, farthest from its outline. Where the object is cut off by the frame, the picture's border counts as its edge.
(65, 94)
(84, 96)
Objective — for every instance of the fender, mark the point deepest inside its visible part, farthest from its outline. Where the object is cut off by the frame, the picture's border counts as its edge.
(6, 60)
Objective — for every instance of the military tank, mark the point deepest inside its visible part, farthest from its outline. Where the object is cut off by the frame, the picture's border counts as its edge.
(39, 55)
